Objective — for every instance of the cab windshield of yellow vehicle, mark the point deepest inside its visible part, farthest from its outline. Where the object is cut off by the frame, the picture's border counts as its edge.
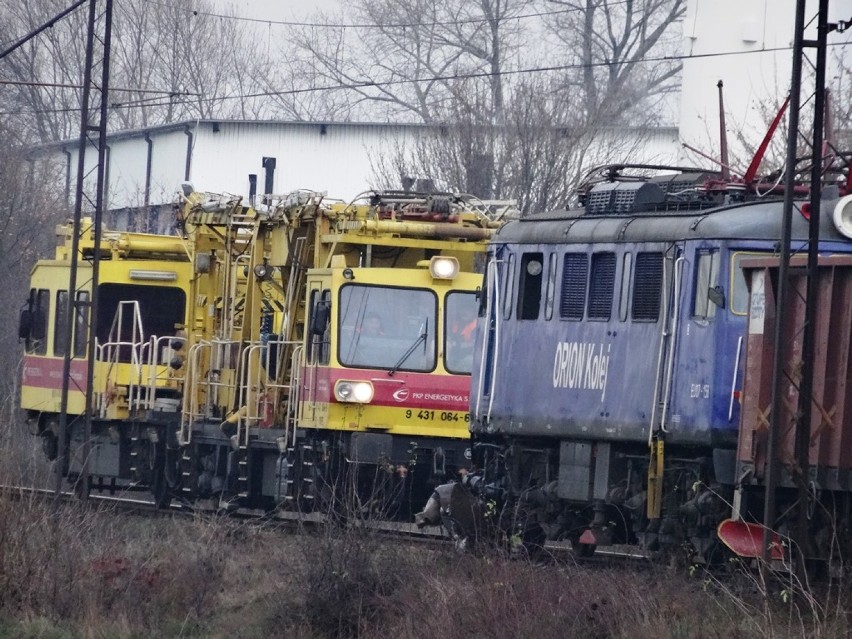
(387, 327)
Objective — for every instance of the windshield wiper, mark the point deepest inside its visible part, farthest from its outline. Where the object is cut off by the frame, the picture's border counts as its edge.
(424, 333)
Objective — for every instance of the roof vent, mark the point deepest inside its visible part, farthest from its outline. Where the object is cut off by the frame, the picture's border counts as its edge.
(621, 198)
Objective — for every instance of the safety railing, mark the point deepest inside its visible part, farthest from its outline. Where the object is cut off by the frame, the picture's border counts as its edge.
(158, 369)
(204, 382)
(117, 350)
(259, 393)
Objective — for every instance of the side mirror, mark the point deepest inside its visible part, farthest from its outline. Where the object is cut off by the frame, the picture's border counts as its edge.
(322, 315)
(717, 296)
(25, 324)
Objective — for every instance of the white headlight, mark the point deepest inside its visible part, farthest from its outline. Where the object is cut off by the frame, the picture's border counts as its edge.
(444, 268)
(353, 392)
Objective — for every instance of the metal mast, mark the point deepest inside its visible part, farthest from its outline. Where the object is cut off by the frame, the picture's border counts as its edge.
(89, 194)
(803, 50)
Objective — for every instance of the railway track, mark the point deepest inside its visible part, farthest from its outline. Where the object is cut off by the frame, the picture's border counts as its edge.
(292, 521)
(208, 508)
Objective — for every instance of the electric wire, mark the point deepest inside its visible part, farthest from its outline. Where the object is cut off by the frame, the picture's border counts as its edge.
(366, 84)
(390, 25)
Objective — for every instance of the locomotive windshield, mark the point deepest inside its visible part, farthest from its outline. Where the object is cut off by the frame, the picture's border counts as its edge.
(387, 327)
(161, 310)
(461, 310)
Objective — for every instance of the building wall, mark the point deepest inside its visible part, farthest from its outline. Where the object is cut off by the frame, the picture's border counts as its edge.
(340, 159)
(336, 158)
(756, 77)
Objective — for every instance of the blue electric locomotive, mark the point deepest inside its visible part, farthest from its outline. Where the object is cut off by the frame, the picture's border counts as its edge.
(614, 329)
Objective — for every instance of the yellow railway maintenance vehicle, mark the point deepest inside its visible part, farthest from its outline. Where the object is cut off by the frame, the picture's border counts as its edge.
(271, 351)
(143, 303)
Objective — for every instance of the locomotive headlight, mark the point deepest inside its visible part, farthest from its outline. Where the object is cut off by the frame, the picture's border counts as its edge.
(262, 272)
(353, 392)
(443, 268)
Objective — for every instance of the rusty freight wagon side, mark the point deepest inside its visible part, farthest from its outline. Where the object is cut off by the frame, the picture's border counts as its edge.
(828, 478)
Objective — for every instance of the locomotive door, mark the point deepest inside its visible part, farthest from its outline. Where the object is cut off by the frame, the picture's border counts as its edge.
(671, 287)
(670, 324)
(497, 276)
(669, 321)
(317, 351)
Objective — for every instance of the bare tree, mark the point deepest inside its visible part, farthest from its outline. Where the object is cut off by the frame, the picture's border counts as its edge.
(504, 131)
(841, 92)
(402, 58)
(168, 63)
(30, 204)
(40, 106)
(608, 43)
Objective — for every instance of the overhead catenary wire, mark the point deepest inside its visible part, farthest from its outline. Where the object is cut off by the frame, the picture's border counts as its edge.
(367, 25)
(366, 84)
(64, 85)
(47, 25)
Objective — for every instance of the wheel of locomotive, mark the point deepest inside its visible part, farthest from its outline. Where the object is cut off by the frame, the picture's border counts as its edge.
(523, 530)
(49, 445)
(82, 488)
(165, 473)
(533, 538)
(325, 486)
(380, 491)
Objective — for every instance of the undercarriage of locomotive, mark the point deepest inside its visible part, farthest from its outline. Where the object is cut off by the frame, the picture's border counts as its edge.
(590, 494)
(319, 472)
(364, 476)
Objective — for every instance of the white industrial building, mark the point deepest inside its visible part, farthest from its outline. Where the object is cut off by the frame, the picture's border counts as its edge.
(144, 168)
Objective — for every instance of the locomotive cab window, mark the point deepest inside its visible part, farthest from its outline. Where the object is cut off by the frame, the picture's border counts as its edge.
(39, 305)
(60, 319)
(529, 286)
(550, 289)
(459, 327)
(705, 302)
(738, 287)
(647, 287)
(572, 298)
(80, 329)
(624, 294)
(81, 324)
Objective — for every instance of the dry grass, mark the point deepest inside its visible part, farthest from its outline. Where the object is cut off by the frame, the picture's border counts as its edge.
(85, 573)
(74, 573)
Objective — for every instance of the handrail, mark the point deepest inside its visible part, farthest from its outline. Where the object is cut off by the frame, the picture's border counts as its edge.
(153, 364)
(658, 373)
(678, 272)
(189, 409)
(107, 352)
(734, 379)
(294, 394)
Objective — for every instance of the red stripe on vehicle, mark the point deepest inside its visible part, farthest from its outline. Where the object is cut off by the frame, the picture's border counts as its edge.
(402, 389)
(46, 372)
